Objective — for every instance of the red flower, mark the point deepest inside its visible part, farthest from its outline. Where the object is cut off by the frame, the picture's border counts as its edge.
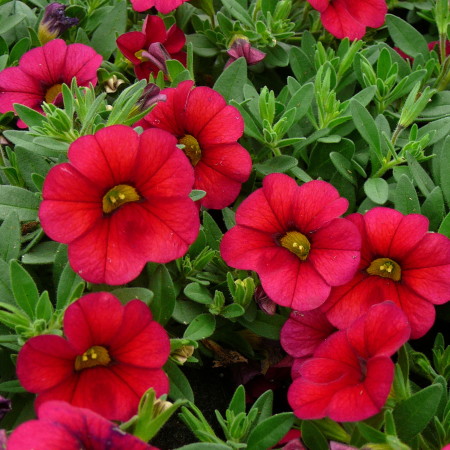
(351, 373)
(163, 6)
(112, 355)
(349, 18)
(400, 262)
(138, 47)
(304, 331)
(121, 201)
(62, 426)
(290, 236)
(209, 129)
(43, 70)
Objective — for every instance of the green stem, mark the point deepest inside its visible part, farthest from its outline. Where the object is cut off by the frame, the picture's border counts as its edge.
(397, 133)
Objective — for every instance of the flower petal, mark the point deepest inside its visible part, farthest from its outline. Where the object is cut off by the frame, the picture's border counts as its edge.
(94, 319)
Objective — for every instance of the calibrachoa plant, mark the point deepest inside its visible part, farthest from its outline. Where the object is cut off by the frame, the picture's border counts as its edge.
(228, 209)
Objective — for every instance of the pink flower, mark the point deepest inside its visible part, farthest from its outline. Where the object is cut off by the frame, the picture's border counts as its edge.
(401, 262)
(349, 18)
(121, 201)
(139, 47)
(112, 355)
(291, 237)
(62, 426)
(209, 129)
(351, 373)
(43, 70)
(163, 6)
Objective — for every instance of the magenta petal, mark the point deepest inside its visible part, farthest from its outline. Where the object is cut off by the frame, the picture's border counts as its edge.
(130, 43)
(82, 62)
(226, 127)
(371, 13)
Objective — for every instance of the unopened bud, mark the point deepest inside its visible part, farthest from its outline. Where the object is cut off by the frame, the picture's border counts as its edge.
(182, 354)
(241, 47)
(54, 22)
(150, 96)
(158, 55)
(112, 84)
(160, 406)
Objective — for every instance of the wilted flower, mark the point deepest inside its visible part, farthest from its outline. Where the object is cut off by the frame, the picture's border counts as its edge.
(112, 355)
(149, 49)
(112, 84)
(5, 406)
(54, 22)
(242, 48)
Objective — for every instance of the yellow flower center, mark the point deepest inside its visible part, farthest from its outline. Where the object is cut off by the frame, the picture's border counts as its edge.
(386, 268)
(118, 196)
(191, 148)
(53, 92)
(95, 356)
(139, 56)
(296, 243)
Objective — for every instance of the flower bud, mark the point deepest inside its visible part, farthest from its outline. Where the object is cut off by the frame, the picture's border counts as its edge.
(242, 47)
(182, 354)
(54, 22)
(112, 84)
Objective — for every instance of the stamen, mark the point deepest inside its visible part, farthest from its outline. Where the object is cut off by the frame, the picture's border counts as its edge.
(95, 356)
(118, 196)
(191, 148)
(296, 243)
(386, 268)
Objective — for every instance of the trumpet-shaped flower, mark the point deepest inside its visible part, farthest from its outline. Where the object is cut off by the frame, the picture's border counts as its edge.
(291, 236)
(112, 355)
(350, 375)
(401, 262)
(139, 46)
(63, 426)
(121, 201)
(43, 70)
(208, 129)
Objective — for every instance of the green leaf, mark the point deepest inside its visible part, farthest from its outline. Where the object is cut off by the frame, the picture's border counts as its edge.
(265, 325)
(198, 293)
(313, 437)
(43, 253)
(69, 287)
(238, 12)
(113, 23)
(237, 403)
(377, 189)
(421, 177)
(301, 65)
(433, 207)
(10, 236)
(264, 405)
(201, 327)
(127, 294)
(44, 307)
(212, 231)
(405, 196)
(268, 432)
(179, 384)
(413, 415)
(406, 37)
(6, 293)
(196, 194)
(367, 127)
(343, 166)
(278, 164)
(232, 80)
(17, 199)
(24, 288)
(371, 434)
(11, 386)
(301, 100)
(30, 163)
(444, 228)
(202, 45)
(164, 294)
(204, 446)
(232, 311)
(31, 117)
(444, 164)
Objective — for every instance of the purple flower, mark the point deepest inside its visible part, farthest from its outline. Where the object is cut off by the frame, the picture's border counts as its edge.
(54, 22)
